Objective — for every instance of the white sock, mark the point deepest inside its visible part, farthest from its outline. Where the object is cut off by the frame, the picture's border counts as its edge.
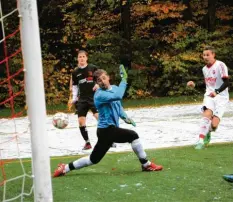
(138, 149)
(82, 162)
(146, 164)
(205, 126)
(201, 140)
(67, 169)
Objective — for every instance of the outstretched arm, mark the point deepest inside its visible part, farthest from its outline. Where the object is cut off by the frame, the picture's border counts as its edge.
(125, 117)
(116, 93)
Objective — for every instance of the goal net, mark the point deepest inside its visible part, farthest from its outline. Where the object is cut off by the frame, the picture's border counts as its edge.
(20, 178)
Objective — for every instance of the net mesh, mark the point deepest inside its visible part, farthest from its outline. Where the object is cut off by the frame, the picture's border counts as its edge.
(15, 173)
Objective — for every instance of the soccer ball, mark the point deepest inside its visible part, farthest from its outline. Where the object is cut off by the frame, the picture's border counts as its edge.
(60, 120)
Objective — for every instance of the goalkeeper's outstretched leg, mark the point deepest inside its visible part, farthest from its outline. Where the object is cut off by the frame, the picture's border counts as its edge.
(108, 102)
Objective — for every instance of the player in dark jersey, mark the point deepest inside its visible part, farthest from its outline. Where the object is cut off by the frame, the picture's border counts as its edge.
(83, 88)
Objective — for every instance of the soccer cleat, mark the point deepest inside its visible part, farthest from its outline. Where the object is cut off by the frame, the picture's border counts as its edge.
(60, 171)
(152, 167)
(207, 138)
(199, 146)
(87, 146)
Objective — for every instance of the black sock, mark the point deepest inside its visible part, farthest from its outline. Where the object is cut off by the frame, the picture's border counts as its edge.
(71, 166)
(143, 161)
(84, 133)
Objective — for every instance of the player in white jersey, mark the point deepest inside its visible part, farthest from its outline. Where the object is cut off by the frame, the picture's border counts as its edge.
(216, 96)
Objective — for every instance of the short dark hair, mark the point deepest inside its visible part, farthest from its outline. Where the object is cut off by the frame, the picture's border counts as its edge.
(98, 73)
(211, 48)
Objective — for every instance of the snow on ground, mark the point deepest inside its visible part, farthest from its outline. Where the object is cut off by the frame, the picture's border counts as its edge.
(158, 127)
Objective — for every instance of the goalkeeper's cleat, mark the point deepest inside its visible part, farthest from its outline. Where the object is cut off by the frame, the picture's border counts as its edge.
(60, 171)
(207, 138)
(199, 146)
(228, 178)
(87, 146)
(152, 167)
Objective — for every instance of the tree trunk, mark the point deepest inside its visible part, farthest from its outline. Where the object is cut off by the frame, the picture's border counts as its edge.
(187, 14)
(125, 30)
(211, 15)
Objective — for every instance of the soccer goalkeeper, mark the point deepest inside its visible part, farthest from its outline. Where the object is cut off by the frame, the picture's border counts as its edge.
(107, 100)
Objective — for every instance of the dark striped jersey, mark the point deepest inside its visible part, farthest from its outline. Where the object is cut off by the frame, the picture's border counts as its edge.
(83, 78)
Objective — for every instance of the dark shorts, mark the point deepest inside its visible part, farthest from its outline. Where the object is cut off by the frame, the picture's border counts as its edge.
(106, 137)
(83, 106)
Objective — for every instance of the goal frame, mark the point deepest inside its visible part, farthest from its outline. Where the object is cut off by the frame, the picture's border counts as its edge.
(35, 98)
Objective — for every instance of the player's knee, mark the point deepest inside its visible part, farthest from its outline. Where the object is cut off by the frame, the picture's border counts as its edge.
(214, 127)
(134, 136)
(96, 157)
(94, 160)
(215, 123)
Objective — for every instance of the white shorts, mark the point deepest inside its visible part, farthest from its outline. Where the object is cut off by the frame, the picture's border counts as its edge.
(217, 104)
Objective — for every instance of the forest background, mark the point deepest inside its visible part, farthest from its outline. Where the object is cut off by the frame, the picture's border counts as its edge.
(159, 42)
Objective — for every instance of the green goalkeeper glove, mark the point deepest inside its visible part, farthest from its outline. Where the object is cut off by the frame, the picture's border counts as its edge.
(129, 121)
(123, 73)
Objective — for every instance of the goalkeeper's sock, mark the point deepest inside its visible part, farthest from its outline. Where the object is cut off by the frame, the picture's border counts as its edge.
(80, 163)
(67, 168)
(84, 133)
(146, 164)
(139, 151)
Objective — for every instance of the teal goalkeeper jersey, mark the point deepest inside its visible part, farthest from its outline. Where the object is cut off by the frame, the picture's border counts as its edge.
(108, 104)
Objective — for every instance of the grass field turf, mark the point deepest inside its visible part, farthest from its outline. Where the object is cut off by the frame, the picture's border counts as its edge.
(188, 175)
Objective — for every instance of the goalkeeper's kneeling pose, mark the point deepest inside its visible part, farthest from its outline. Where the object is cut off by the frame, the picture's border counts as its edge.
(107, 100)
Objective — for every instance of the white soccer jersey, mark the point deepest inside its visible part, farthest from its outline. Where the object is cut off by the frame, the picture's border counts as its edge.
(213, 77)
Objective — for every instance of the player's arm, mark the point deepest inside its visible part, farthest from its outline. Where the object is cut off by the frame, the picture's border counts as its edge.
(223, 86)
(224, 74)
(125, 117)
(75, 89)
(116, 93)
(96, 86)
(69, 104)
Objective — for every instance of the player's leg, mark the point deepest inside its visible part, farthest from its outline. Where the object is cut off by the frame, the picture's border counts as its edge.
(220, 107)
(102, 146)
(214, 124)
(204, 128)
(82, 109)
(62, 168)
(121, 135)
(208, 108)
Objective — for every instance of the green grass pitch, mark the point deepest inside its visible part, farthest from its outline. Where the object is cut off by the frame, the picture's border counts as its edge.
(188, 176)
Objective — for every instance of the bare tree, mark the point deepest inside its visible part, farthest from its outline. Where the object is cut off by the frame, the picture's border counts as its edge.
(125, 28)
(209, 20)
(188, 11)
(211, 15)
